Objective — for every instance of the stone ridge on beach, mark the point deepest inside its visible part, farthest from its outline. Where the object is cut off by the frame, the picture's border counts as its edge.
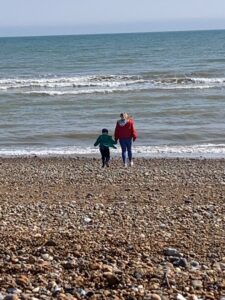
(72, 230)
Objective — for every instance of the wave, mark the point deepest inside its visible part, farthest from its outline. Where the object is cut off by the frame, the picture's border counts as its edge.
(80, 81)
(194, 151)
(71, 92)
(105, 84)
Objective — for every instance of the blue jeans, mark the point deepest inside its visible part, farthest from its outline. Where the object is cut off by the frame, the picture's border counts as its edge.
(126, 145)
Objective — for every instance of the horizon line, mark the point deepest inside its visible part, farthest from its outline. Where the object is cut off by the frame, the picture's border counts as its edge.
(110, 33)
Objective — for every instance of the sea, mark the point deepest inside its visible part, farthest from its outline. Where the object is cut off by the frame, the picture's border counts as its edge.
(58, 92)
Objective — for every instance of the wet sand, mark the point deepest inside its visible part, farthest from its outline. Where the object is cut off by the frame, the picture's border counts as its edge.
(72, 230)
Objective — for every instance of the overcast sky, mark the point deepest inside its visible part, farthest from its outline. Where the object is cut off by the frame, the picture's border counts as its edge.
(46, 17)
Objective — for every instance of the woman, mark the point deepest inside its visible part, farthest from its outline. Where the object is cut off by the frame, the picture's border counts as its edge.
(125, 132)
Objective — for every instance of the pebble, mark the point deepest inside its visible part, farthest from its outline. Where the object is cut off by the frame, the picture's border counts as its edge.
(197, 284)
(182, 262)
(11, 297)
(87, 220)
(193, 297)
(14, 291)
(47, 257)
(180, 297)
(194, 264)
(22, 280)
(155, 297)
(111, 279)
(171, 252)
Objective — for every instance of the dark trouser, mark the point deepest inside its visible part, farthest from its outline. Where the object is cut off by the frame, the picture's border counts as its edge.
(105, 155)
(126, 145)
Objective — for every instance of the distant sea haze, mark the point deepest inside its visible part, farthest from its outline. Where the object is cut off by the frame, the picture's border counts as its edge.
(57, 93)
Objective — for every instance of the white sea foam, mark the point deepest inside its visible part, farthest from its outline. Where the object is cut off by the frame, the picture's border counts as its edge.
(104, 84)
(204, 150)
(194, 151)
(208, 80)
(72, 92)
(63, 82)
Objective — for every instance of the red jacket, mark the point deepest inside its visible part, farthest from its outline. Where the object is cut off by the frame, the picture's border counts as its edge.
(125, 131)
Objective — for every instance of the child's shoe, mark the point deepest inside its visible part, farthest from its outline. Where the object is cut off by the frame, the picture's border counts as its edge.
(131, 163)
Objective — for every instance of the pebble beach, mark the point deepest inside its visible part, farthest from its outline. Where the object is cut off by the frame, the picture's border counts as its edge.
(70, 229)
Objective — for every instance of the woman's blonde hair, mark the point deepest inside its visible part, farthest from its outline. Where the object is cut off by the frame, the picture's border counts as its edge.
(125, 116)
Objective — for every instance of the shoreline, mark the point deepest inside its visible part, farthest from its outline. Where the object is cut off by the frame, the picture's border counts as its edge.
(73, 230)
(116, 156)
(206, 151)
(92, 158)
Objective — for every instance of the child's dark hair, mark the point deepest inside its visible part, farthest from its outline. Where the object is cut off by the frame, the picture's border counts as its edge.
(104, 130)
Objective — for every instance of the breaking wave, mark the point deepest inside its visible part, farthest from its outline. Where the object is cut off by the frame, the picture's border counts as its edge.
(188, 151)
(105, 84)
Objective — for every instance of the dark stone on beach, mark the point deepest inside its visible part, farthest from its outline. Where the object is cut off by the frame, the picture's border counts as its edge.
(68, 265)
(182, 262)
(187, 201)
(137, 275)
(171, 252)
(70, 290)
(50, 243)
(89, 195)
(112, 280)
(45, 194)
(90, 294)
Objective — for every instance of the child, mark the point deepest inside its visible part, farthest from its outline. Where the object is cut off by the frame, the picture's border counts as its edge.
(105, 141)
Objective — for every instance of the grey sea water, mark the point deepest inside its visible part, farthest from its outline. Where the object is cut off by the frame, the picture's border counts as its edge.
(58, 92)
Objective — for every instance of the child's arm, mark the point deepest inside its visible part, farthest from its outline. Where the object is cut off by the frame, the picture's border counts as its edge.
(113, 142)
(97, 141)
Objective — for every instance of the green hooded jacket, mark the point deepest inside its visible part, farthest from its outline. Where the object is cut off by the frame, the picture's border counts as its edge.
(105, 140)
